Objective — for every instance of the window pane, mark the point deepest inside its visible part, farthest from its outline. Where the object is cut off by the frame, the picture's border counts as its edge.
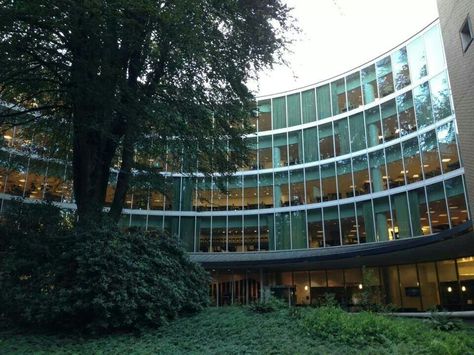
(447, 147)
(265, 152)
(295, 148)
(429, 154)
(411, 157)
(401, 217)
(235, 233)
(418, 211)
(279, 112)
(298, 229)
(389, 121)
(315, 228)
(250, 233)
(357, 132)
(434, 50)
(282, 231)
(456, 201)
(348, 224)
(384, 76)
(365, 222)
(326, 145)
(313, 185)
(294, 110)
(369, 83)
(264, 116)
(204, 231)
(354, 92)
(265, 183)
(395, 171)
(267, 241)
(250, 192)
(383, 221)
(437, 203)
(406, 113)
(361, 175)
(440, 97)
(281, 195)
(338, 91)
(373, 127)
(417, 59)
(329, 188)
(378, 173)
(344, 178)
(400, 68)
(331, 226)
(311, 147)
(341, 137)
(297, 187)
(280, 153)
(423, 110)
(324, 101)
(309, 105)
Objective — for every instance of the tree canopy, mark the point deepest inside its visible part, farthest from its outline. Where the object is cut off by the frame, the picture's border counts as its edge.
(137, 82)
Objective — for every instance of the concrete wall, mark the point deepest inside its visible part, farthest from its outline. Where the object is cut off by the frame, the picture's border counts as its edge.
(452, 14)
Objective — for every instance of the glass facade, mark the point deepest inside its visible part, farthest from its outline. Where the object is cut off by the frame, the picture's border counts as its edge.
(369, 156)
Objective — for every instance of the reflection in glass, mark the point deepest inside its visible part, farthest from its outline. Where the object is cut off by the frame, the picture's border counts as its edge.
(423, 110)
(344, 178)
(417, 59)
(279, 112)
(365, 221)
(357, 132)
(395, 170)
(437, 210)
(281, 196)
(326, 144)
(311, 145)
(400, 68)
(348, 224)
(282, 231)
(298, 229)
(338, 93)
(313, 185)
(383, 219)
(341, 137)
(250, 233)
(204, 231)
(267, 242)
(440, 96)
(264, 116)
(384, 76)
(331, 226)
(389, 121)
(378, 173)
(373, 127)
(265, 152)
(308, 103)
(406, 113)
(456, 201)
(411, 157)
(354, 93)
(294, 109)
(447, 147)
(401, 217)
(324, 101)
(429, 154)
(234, 193)
(420, 218)
(328, 182)
(369, 84)
(315, 228)
(434, 50)
(295, 147)
(361, 175)
(235, 233)
(250, 192)
(297, 187)
(280, 153)
(265, 184)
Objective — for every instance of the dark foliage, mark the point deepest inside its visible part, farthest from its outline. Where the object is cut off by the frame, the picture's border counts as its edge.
(98, 280)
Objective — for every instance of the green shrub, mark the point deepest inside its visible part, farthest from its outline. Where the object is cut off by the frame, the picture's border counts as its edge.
(272, 304)
(98, 280)
(366, 329)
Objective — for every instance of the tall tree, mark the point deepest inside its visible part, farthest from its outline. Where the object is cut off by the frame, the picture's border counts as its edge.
(158, 77)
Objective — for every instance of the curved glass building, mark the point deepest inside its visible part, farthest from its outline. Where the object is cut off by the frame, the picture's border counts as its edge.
(360, 174)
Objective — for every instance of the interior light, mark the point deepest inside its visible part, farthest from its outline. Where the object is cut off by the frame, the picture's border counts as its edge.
(463, 288)
(426, 165)
(404, 172)
(453, 207)
(22, 180)
(306, 287)
(450, 289)
(416, 176)
(446, 160)
(7, 137)
(361, 287)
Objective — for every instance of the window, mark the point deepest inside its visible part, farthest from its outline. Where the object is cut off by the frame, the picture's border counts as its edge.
(467, 35)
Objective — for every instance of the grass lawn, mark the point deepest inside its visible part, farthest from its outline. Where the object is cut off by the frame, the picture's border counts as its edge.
(236, 330)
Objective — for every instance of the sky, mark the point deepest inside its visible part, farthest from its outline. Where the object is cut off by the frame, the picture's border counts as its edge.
(338, 35)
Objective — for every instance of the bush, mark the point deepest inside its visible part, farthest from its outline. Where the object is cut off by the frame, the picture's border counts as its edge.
(98, 280)
(272, 304)
(366, 329)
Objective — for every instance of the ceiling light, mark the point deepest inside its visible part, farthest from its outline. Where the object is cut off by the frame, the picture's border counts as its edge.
(446, 160)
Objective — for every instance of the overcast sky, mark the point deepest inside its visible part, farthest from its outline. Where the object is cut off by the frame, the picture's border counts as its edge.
(338, 35)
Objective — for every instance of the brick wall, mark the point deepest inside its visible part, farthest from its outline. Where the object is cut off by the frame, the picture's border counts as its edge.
(452, 14)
